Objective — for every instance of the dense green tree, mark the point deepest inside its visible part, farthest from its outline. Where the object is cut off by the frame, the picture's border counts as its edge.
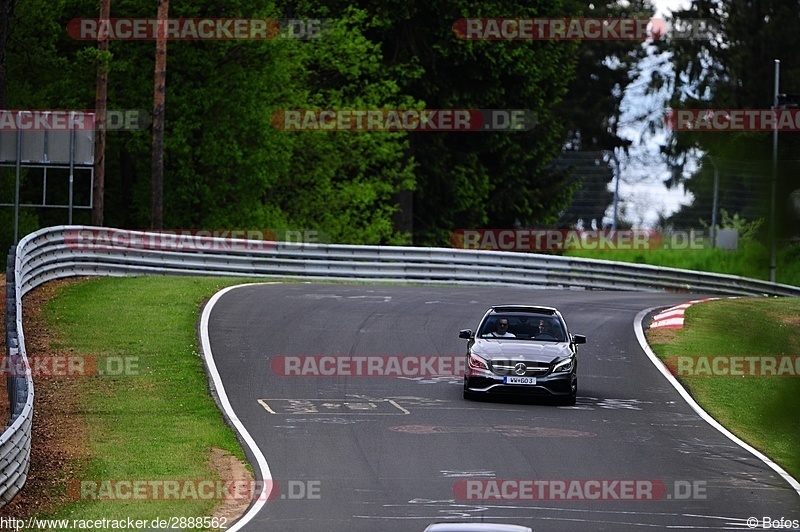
(734, 70)
(482, 179)
(493, 179)
(225, 164)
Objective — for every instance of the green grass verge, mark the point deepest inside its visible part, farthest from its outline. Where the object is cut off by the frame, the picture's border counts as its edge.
(160, 423)
(761, 410)
(750, 260)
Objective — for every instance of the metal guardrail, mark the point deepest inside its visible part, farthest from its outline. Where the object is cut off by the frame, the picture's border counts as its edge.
(15, 442)
(66, 251)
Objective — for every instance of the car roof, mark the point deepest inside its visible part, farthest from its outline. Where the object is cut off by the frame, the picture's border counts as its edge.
(475, 527)
(525, 308)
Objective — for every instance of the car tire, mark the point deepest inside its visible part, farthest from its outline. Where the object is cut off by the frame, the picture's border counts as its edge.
(569, 400)
(470, 396)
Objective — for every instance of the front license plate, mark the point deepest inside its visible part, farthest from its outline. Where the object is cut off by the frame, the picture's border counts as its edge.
(519, 380)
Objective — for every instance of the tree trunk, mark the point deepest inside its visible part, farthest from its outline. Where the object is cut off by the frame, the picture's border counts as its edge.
(101, 98)
(157, 195)
(6, 12)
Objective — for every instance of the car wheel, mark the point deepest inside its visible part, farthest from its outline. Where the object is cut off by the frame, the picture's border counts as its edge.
(569, 400)
(470, 396)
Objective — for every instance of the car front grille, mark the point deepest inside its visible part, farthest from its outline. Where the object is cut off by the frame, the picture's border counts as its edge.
(509, 367)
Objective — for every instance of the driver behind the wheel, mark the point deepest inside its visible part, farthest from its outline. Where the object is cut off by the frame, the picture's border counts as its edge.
(546, 328)
(502, 329)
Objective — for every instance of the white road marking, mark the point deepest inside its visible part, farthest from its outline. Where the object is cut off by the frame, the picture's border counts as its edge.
(480, 473)
(266, 406)
(639, 331)
(323, 420)
(383, 299)
(222, 396)
(329, 406)
(434, 380)
(449, 509)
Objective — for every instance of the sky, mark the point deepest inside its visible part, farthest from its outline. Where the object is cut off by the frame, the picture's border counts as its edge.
(641, 189)
(666, 6)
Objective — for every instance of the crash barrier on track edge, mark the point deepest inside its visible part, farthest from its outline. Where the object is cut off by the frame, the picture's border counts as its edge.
(15, 442)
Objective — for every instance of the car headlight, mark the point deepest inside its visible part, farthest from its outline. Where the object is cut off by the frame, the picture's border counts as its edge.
(565, 365)
(477, 362)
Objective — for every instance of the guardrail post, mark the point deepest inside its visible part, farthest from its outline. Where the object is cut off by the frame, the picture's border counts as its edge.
(11, 327)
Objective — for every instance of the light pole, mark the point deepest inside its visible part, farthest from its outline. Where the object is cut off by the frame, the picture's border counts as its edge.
(715, 203)
(616, 187)
(772, 238)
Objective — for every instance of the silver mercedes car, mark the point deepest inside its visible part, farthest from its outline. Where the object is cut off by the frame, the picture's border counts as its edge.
(522, 350)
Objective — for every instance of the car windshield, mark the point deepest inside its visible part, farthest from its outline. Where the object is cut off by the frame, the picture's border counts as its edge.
(523, 327)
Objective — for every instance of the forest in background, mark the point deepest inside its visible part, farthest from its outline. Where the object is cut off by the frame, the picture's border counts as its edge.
(226, 166)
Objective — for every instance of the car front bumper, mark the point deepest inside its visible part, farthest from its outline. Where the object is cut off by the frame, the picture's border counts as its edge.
(553, 385)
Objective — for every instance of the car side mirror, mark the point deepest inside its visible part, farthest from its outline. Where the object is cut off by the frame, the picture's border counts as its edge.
(578, 339)
(465, 333)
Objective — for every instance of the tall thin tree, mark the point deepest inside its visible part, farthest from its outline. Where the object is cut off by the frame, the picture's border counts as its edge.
(157, 167)
(101, 99)
(6, 12)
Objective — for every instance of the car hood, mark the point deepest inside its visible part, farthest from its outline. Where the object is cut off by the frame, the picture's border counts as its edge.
(529, 350)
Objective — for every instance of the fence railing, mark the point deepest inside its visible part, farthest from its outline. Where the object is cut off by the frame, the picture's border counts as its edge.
(66, 251)
(15, 442)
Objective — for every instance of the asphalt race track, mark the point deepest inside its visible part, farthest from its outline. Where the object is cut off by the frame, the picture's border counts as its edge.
(367, 453)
